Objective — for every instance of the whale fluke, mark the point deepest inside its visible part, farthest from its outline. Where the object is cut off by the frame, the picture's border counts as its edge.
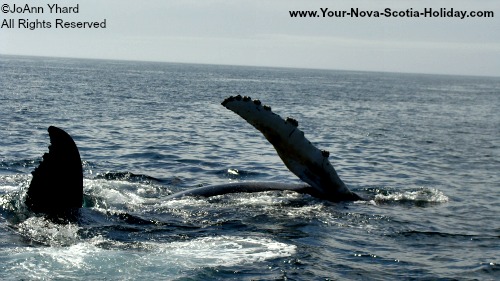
(57, 183)
(301, 157)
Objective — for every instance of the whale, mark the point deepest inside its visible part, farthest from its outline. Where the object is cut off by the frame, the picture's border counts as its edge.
(299, 155)
(57, 183)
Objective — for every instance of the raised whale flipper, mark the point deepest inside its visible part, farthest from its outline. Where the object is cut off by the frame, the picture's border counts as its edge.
(57, 183)
(301, 157)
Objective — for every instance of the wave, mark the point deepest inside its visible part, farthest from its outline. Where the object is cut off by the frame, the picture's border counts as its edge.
(18, 166)
(100, 255)
(420, 197)
(19, 163)
(127, 176)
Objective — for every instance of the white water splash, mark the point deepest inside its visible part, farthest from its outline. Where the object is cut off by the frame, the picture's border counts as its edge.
(150, 259)
(43, 231)
(423, 195)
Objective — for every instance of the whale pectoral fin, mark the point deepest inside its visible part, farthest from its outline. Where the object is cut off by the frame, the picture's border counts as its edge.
(301, 157)
(57, 183)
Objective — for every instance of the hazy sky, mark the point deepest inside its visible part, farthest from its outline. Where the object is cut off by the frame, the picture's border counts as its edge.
(262, 33)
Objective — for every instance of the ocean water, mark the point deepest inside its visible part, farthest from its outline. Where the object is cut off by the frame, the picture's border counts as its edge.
(423, 149)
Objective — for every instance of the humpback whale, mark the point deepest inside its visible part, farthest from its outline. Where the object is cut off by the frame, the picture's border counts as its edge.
(301, 157)
(57, 183)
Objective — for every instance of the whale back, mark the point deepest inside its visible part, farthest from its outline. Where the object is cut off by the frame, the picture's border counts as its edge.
(298, 154)
(57, 183)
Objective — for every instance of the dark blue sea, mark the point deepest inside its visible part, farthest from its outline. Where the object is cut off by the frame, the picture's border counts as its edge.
(424, 149)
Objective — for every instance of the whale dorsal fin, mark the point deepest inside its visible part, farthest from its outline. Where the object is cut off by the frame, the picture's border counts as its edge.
(301, 157)
(57, 183)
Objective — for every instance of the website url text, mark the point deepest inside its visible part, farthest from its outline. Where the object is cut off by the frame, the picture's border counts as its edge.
(390, 13)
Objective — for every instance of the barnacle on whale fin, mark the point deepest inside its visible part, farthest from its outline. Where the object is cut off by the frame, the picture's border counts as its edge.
(325, 153)
(292, 121)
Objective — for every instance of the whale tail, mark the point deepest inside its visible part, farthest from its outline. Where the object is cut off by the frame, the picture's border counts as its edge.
(57, 183)
(301, 157)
